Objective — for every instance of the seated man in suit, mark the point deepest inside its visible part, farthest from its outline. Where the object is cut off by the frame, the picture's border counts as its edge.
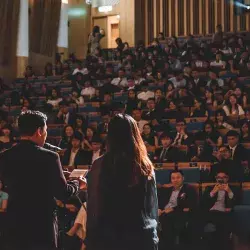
(218, 202)
(182, 137)
(103, 126)
(75, 155)
(64, 116)
(97, 150)
(239, 154)
(167, 153)
(175, 206)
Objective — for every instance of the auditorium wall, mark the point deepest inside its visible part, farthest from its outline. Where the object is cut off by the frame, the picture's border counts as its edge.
(126, 11)
(182, 17)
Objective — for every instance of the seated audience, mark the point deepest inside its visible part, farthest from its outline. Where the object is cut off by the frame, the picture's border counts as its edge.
(65, 116)
(176, 203)
(67, 136)
(149, 137)
(137, 115)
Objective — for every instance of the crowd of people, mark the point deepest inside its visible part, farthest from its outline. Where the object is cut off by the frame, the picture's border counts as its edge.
(190, 102)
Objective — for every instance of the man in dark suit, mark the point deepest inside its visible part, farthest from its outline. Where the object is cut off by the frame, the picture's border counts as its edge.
(167, 153)
(176, 204)
(239, 154)
(76, 155)
(181, 137)
(103, 126)
(64, 116)
(34, 177)
(218, 202)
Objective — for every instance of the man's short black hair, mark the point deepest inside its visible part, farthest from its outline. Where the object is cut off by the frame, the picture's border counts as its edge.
(233, 133)
(29, 121)
(175, 172)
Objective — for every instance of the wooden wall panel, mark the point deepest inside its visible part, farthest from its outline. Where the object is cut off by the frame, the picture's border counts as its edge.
(197, 17)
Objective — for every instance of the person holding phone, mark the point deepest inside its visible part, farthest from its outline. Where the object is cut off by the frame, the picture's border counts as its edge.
(218, 203)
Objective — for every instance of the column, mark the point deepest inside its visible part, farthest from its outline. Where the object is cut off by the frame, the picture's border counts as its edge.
(62, 42)
(23, 38)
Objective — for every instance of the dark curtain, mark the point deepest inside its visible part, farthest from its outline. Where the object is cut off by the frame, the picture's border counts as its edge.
(45, 18)
(9, 20)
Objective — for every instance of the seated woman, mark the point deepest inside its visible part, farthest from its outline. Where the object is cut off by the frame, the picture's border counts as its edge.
(88, 90)
(148, 136)
(86, 144)
(48, 70)
(3, 198)
(132, 102)
(199, 109)
(29, 73)
(6, 138)
(221, 120)
(67, 136)
(80, 124)
(245, 136)
(232, 107)
(54, 99)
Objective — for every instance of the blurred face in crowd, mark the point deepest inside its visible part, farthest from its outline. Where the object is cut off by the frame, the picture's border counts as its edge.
(222, 178)
(79, 66)
(212, 75)
(197, 104)
(195, 74)
(166, 142)
(225, 153)
(232, 141)
(136, 114)
(69, 131)
(170, 87)
(218, 57)
(87, 84)
(131, 83)
(79, 122)
(89, 132)
(107, 98)
(220, 117)
(158, 94)
(96, 146)
(121, 73)
(180, 126)
(131, 94)
(208, 94)
(248, 115)
(232, 100)
(54, 93)
(65, 110)
(237, 92)
(208, 129)
(151, 104)
(75, 94)
(76, 143)
(177, 180)
(6, 132)
(172, 106)
(179, 77)
(244, 128)
(106, 119)
(146, 129)
(26, 103)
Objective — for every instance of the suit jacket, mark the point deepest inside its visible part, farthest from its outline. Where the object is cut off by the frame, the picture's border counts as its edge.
(188, 141)
(173, 154)
(101, 128)
(82, 158)
(34, 177)
(208, 201)
(187, 198)
(71, 119)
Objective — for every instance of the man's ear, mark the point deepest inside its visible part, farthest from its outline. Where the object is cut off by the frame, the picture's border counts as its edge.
(39, 132)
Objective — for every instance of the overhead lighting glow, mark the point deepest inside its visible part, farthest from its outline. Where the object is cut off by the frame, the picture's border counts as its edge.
(65, 1)
(105, 8)
(118, 16)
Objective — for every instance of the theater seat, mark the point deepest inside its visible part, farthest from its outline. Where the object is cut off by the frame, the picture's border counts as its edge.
(191, 175)
(162, 176)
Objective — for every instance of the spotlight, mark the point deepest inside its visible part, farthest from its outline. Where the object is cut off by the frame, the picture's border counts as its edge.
(248, 7)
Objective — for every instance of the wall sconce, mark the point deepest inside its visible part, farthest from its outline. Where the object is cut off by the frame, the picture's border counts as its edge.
(105, 8)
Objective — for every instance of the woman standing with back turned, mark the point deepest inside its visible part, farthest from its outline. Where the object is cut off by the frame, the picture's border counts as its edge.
(122, 200)
(94, 39)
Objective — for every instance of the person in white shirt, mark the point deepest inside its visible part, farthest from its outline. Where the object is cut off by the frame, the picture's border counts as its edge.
(79, 100)
(55, 99)
(218, 62)
(136, 114)
(145, 94)
(233, 108)
(80, 69)
(120, 81)
(214, 76)
(96, 148)
(88, 90)
(175, 63)
(178, 80)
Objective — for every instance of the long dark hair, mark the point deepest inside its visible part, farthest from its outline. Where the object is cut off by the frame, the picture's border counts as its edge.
(96, 30)
(127, 155)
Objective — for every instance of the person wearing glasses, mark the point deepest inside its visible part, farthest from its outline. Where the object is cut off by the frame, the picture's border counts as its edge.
(218, 202)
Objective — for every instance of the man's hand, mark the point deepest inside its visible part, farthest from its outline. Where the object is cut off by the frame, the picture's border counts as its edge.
(186, 210)
(82, 183)
(215, 189)
(168, 210)
(71, 208)
(59, 203)
(160, 212)
(226, 188)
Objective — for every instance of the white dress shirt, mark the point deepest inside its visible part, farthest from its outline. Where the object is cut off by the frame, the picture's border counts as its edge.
(66, 118)
(220, 203)
(178, 84)
(232, 150)
(120, 82)
(96, 155)
(72, 157)
(89, 91)
(83, 71)
(144, 96)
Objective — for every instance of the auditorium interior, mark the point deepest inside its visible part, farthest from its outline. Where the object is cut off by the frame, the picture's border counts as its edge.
(180, 68)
